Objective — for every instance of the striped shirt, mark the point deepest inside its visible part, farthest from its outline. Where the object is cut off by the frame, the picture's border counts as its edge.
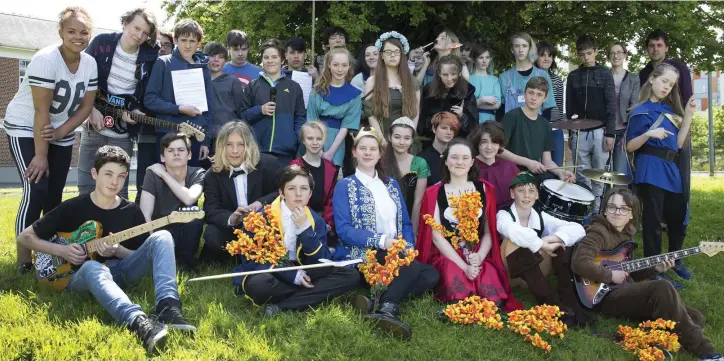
(557, 112)
(121, 80)
(48, 70)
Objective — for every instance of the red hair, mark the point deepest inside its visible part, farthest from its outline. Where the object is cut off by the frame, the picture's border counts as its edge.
(446, 118)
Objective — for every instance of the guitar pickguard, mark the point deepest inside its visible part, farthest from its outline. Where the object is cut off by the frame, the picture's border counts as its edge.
(47, 266)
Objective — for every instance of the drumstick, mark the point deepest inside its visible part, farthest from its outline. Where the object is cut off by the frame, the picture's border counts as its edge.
(561, 187)
(565, 167)
(423, 47)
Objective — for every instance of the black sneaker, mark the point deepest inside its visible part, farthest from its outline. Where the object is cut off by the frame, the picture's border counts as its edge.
(168, 311)
(150, 331)
(271, 310)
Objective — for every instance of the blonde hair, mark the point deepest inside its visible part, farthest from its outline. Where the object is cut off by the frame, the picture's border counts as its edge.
(532, 50)
(673, 99)
(316, 125)
(251, 149)
(326, 79)
(453, 39)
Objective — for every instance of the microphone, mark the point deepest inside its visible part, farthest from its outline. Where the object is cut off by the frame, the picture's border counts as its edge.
(273, 94)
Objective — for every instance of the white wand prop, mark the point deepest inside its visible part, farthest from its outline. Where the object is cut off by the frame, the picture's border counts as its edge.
(324, 263)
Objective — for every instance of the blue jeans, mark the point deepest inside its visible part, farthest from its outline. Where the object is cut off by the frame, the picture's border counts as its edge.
(105, 281)
(558, 150)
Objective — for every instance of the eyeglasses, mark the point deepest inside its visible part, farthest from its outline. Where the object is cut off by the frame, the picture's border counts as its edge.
(624, 211)
(618, 53)
(392, 52)
(166, 45)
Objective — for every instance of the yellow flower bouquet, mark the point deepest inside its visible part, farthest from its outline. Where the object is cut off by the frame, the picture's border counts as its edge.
(465, 209)
(380, 276)
(649, 339)
(266, 246)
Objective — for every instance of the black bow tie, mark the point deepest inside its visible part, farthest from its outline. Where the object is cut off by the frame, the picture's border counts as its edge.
(237, 173)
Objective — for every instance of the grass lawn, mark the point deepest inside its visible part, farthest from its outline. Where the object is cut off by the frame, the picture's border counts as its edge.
(39, 325)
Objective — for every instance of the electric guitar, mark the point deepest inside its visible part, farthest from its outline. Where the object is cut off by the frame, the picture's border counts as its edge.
(591, 293)
(54, 272)
(113, 106)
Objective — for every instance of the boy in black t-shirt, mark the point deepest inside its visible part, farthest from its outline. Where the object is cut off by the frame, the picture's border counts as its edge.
(529, 136)
(172, 184)
(119, 264)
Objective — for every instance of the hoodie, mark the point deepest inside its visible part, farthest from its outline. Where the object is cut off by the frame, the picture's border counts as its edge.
(159, 96)
(225, 102)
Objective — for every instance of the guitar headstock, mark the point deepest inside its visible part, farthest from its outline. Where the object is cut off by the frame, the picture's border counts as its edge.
(710, 248)
(192, 130)
(185, 215)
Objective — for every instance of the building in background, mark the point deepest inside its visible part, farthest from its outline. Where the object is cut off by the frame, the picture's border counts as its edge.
(700, 83)
(20, 38)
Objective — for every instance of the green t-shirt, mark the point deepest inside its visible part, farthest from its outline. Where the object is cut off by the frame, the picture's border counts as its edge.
(526, 137)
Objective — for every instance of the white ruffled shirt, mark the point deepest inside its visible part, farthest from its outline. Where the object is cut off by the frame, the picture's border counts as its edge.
(569, 232)
(291, 231)
(385, 207)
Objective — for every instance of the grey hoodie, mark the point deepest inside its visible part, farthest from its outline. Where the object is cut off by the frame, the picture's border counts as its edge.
(225, 102)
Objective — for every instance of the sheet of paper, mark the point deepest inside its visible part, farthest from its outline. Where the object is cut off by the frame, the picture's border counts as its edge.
(189, 88)
(305, 81)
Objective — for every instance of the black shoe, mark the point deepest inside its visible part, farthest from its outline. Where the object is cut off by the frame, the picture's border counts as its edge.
(390, 309)
(25, 268)
(392, 325)
(150, 331)
(168, 311)
(271, 310)
(362, 304)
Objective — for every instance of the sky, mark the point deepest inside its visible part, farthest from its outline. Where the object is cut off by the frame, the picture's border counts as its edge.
(105, 14)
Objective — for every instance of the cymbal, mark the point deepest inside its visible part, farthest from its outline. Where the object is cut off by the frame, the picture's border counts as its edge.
(604, 176)
(577, 124)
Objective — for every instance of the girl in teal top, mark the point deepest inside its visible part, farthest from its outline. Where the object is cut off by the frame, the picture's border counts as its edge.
(336, 102)
(487, 87)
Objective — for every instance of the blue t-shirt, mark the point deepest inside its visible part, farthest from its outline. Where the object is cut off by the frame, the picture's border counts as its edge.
(246, 73)
(486, 85)
(651, 169)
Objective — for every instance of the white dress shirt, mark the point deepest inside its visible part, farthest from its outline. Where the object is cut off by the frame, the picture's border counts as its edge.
(569, 232)
(291, 231)
(385, 206)
(240, 187)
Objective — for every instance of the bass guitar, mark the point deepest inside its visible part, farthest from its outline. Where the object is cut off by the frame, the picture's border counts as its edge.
(591, 293)
(113, 106)
(54, 272)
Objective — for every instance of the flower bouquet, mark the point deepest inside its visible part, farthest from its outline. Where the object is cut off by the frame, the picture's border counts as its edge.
(380, 276)
(541, 318)
(266, 246)
(650, 339)
(474, 310)
(466, 208)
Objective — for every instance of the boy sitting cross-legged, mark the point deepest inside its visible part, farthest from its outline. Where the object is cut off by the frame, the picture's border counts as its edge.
(120, 264)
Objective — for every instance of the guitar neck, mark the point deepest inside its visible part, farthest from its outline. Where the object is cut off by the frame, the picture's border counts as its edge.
(145, 119)
(643, 263)
(92, 247)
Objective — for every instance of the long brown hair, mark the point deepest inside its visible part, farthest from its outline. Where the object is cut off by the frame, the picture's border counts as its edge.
(631, 201)
(326, 79)
(473, 173)
(381, 91)
(673, 99)
(437, 89)
(389, 161)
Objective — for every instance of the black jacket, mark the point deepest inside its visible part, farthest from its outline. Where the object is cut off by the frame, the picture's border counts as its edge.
(220, 191)
(591, 93)
(431, 106)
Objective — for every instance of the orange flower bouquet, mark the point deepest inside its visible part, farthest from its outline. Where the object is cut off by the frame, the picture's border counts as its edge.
(266, 246)
(541, 318)
(649, 339)
(474, 310)
(380, 276)
(465, 208)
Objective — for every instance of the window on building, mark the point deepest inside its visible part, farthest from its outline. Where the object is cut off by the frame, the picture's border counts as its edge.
(23, 68)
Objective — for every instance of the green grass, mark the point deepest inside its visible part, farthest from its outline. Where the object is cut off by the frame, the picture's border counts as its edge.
(39, 325)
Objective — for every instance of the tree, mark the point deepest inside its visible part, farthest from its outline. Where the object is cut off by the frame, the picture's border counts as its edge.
(691, 25)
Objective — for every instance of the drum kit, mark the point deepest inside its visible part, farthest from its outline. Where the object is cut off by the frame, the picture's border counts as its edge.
(573, 202)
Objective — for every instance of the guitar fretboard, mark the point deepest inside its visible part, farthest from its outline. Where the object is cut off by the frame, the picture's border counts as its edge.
(142, 118)
(643, 263)
(92, 246)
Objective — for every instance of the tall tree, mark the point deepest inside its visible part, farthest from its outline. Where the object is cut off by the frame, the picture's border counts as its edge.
(692, 26)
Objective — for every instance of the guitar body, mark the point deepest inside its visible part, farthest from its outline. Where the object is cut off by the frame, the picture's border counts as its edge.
(591, 293)
(508, 247)
(53, 271)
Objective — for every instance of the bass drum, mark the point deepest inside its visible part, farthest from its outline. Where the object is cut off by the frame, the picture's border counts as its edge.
(566, 200)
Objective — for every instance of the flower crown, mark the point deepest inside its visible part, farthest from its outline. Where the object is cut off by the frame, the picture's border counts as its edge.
(367, 132)
(393, 34)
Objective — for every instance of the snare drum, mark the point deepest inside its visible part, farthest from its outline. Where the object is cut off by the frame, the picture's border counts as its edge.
(566, 200)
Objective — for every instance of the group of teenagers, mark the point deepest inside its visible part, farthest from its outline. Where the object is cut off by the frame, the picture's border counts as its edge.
(471, 131)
